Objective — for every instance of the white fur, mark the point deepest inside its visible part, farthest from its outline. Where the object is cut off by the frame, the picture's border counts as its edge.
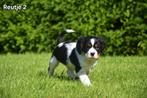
(70, 47)
(60, 45)
(69, 30)
(92, 41)
(84, 78)
(85, 63)
(92, 50)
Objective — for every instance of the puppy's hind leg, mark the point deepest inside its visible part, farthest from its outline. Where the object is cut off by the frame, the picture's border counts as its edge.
(52, 65)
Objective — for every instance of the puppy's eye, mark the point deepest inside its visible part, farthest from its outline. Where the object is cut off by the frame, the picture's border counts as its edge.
(96, 45)
(89, 45)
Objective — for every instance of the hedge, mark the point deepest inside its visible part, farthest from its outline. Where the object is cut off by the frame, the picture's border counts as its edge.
(122, 23)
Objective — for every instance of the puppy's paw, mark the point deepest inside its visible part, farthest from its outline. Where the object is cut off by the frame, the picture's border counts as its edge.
(85, 80)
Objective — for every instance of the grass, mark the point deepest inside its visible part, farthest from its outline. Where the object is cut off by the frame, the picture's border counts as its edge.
(25, 76)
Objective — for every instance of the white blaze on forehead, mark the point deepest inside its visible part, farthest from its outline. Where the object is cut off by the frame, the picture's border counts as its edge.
(92, 41)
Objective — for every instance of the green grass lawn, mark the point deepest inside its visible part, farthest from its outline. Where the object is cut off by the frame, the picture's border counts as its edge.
(25, 76)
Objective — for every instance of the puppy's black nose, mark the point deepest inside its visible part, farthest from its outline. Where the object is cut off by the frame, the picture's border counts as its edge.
(92, 54)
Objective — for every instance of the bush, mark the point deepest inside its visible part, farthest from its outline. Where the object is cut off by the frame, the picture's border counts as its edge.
(123, 24)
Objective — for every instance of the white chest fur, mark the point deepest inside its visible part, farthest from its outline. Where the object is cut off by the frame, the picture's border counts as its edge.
(86, 63)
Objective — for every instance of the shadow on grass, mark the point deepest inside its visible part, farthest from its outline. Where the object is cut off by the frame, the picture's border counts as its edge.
(61, 76)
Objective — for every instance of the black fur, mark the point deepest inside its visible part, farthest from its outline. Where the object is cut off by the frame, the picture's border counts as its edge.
(74, 60)
(61, 54)
(80, 44)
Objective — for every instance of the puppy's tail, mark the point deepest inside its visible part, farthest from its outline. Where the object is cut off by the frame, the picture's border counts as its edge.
(63, 33)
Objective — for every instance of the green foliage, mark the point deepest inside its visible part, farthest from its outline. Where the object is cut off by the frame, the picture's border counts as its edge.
(122, 23)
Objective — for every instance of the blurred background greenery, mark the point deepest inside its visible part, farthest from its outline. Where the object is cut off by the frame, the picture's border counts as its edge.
(122, 23)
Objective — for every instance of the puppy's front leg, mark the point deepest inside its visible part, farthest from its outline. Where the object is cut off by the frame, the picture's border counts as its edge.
(71, 74)
(84, 78)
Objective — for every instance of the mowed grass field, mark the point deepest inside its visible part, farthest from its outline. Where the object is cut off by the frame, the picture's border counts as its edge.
(25, 76)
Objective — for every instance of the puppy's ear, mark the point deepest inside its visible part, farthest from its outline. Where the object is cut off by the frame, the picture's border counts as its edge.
(80, 44)
(102, 44)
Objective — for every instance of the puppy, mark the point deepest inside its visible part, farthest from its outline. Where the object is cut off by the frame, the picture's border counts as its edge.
(79, 57)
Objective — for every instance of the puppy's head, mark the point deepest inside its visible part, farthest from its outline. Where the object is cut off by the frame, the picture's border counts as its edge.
(90, 46)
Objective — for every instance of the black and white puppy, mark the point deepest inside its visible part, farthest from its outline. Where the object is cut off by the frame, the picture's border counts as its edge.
(79, 57)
